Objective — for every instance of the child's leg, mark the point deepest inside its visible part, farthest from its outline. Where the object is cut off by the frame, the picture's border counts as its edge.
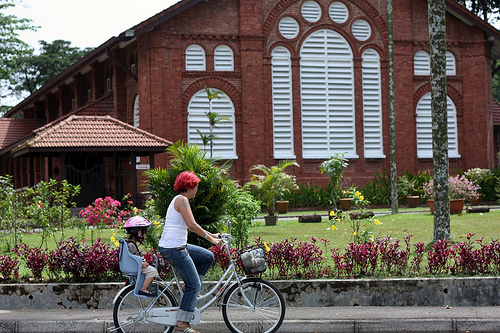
(150, 273)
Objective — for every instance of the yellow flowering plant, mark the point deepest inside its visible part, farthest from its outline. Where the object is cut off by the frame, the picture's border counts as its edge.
(360, 222)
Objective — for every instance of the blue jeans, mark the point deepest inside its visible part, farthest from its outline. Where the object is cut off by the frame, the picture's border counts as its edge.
(191, 263)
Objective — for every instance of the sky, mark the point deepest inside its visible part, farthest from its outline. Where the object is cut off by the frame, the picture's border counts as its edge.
(87, 23)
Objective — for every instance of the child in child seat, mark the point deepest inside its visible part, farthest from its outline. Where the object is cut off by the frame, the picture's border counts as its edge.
(137, 227)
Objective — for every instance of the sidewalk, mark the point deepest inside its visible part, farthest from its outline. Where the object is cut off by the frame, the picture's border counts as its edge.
(319, 319)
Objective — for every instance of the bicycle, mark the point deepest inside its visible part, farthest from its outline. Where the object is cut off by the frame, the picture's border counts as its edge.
(250, 304)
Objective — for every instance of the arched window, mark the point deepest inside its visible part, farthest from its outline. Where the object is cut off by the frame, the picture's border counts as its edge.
(225, 134)
(282, 103)
(223, 58)
(195, 58)
(372, 105)
(136, 111)
(424, 128)
(327, 95)
(422, 63)
(451, 67)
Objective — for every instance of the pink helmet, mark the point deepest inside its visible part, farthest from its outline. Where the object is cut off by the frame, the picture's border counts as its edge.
(135, 224)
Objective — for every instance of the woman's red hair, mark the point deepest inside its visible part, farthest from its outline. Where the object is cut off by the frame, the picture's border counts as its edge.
(186, 180)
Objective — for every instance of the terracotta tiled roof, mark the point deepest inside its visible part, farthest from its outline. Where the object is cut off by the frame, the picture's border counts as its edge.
(93, 132)
(14, 130)
(496, 112)
(104, 106)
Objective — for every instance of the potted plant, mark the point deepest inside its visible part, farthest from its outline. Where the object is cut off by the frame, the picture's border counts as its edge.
(407, 188)
(334, 168)
(282, 205)
(460, 190)
(271, 183)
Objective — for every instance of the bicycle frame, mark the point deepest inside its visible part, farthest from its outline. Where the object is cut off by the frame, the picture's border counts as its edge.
(166, 315)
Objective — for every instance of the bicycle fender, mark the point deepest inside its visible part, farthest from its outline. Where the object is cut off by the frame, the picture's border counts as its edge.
(119, 293)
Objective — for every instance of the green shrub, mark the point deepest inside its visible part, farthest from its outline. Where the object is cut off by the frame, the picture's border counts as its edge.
(378, 190)
(487, 180)
(214, 190)
(309, 196)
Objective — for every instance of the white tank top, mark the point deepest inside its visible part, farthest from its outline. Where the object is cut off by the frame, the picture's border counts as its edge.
(175, 229)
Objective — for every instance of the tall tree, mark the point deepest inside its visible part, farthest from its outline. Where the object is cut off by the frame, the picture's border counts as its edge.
(11, 47)
(437, 41)
(31, 71)
(392, 113)
(488, 10)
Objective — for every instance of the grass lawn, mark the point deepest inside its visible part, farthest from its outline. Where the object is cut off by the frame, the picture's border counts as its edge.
(419, 225)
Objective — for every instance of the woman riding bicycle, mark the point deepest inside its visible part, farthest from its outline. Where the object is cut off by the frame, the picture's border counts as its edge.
(190, 261)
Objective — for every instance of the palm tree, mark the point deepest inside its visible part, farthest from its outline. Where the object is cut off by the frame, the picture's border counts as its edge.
(273, 181)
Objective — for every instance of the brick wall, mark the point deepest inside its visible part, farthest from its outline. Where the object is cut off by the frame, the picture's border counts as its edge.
(250, 28)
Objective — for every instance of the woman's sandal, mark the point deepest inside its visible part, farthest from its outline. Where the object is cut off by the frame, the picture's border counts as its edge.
(188, 329)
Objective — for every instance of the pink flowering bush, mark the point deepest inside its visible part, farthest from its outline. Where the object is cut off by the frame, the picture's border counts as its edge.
(105, 212)
(459, 188)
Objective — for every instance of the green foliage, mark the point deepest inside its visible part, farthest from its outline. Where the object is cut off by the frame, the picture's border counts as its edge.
(49, 204)
(487, 180)
(488, 10)
(241, 210)
(12, 212)
(273, 182)
(31, 71)
(361, 223)
(413, 184)
(378, 190)
(11, 47)
(214, 189)
(308, 196)
(213, 119)
(334, 168)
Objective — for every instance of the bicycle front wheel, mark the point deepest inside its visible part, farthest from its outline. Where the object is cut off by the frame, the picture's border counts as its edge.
(130, 312)
(262, 313)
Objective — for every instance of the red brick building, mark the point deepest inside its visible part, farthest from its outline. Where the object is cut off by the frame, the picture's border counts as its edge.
(300, 79)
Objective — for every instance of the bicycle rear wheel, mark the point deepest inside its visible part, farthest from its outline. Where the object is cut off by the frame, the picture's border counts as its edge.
(130, 314)
(265, 314)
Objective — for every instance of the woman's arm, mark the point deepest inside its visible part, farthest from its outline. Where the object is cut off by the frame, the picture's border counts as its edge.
(183, 207)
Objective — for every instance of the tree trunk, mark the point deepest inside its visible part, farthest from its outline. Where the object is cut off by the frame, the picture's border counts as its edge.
(392, 113)
(437, 39)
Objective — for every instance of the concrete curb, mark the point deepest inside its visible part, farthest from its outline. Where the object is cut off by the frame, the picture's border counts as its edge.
(318, 320)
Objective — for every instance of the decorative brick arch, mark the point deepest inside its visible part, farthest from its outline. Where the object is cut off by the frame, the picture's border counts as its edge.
(454, 94)
(213, 82)
(290, 48)
(364, 5)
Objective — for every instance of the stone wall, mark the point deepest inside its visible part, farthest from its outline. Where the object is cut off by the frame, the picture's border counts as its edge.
(477, 291)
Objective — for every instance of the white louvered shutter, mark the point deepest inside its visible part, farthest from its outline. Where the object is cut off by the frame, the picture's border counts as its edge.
(361, 29)
(424, 128)
(282, 103)
(451, 67)
(339, 12)
(225, 143)
(327, 94)
(289, 27)
(372, 105)
(422, 63)
(195, 58)
(223, 58)
(311, 11)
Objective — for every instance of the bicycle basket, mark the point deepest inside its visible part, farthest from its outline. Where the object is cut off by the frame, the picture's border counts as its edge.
(253, 260)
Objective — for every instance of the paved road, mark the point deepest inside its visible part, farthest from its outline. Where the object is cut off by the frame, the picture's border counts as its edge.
(332, 319)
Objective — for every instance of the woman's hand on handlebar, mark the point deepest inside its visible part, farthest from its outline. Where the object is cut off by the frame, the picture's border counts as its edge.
(215, 239)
